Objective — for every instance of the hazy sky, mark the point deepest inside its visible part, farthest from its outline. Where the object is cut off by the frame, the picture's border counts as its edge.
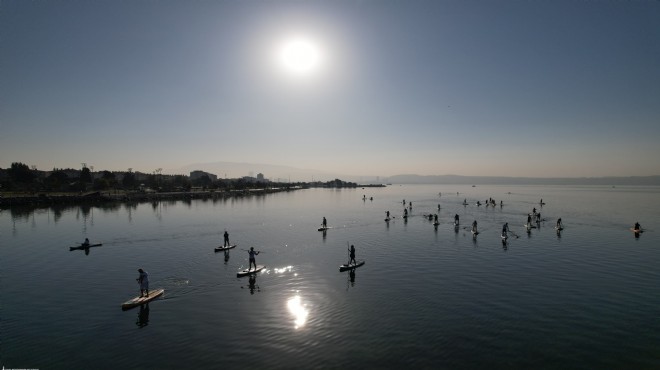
(501, 88)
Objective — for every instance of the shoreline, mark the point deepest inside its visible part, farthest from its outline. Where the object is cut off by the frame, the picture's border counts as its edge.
(100, 197)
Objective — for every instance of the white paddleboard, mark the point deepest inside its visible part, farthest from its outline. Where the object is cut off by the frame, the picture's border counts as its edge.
(223, 248)
(345, 267)
(137, 301)
(250, 272)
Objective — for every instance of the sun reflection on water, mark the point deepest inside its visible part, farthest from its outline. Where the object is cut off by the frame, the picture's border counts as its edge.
(298, 310)
(283, 269)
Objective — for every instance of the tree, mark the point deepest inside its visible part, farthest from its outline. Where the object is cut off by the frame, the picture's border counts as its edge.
(21, 173)
(101, 184)
(85, 175)
(109, 177)
(129, 180)
(57, 180)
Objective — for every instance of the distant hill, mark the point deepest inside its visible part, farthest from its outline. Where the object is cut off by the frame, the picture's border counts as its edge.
(486, 180)
(286, 173)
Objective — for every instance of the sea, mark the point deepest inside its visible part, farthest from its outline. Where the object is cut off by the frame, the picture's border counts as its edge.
(429, 297)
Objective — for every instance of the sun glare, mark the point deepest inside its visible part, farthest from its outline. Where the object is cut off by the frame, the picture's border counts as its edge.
(300, 56)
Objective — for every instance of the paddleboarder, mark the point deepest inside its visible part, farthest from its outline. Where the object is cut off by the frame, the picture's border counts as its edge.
(388, 214)
(559, 224)
(474, 226)
(505, 228)
(352, 255)
(143, 280)
(324, 223)
(529, 220)
(405, 213)
(456, 219)
(226, 238)
(253, 253)
(637, 227)
(86, 242)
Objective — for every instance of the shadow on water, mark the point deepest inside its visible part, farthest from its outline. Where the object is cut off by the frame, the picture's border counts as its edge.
(143, 316)
(252, 284)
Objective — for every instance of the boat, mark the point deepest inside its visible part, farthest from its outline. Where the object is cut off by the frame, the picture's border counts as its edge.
(250, 271)
(351, 266)
(224, 248)
(83, 246)
(137, 301)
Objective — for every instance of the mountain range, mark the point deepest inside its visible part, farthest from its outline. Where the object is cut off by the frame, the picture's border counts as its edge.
(280, 173)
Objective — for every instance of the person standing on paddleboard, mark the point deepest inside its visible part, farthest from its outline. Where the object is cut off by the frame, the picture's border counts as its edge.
(474, 226)
(352, 255)
(253, 253)
(324, 223)
(559, 224)
(86, 242)
(226, 238)
(143, 280)
(456, 219)
(637, 226)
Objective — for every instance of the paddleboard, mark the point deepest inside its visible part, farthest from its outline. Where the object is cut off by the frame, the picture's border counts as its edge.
(324, 228)
(250, 272)
(529, 226)
(85, 246)
(637, 231)
(137, 301)
(475, 233)
(223, 248)
(436, 223)
(387, 219)
(345, 267)
(559, 228)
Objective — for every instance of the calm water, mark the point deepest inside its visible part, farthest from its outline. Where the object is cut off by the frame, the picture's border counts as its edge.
(427, 297)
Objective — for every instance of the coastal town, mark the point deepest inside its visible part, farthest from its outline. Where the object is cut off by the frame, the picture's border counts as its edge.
(21, 184)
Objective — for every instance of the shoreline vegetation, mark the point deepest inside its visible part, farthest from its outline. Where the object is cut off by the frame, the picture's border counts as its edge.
(21, 185)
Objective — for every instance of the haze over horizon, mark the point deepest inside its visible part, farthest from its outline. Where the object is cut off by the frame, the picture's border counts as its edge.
(504, 88)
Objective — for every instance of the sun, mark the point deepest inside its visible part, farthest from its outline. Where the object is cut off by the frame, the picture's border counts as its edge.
(300, 56)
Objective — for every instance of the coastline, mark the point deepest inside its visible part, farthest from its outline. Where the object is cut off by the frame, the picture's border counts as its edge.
(98, 197)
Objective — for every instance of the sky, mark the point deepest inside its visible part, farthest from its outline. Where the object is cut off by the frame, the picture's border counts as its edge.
(379, 87)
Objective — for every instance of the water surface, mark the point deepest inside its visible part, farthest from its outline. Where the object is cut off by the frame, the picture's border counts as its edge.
(427, 297)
